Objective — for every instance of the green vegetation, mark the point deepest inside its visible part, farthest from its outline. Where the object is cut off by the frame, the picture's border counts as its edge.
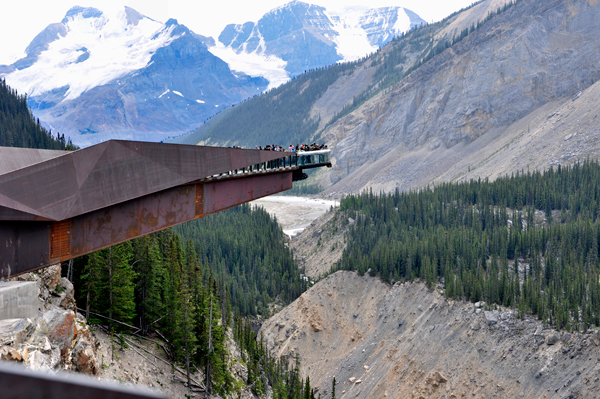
(265, 369)
(247, 255)
(18, 128)
(529, 241)
(193, 283)
(280, 116)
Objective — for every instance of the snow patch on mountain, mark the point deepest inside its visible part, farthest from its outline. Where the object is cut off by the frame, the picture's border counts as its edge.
(255, 64)
(96, 50)
(352, 41)
(308, 36)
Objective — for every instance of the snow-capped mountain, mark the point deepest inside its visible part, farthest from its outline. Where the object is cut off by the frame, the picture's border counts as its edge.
(304, 36)
(121, 74)
(101, 74)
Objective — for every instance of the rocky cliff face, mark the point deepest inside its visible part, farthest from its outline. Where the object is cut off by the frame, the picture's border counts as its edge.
(59, 338)
(405, 341)
(468, 98)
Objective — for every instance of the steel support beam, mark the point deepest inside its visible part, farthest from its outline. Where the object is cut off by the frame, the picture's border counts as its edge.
(28, 246)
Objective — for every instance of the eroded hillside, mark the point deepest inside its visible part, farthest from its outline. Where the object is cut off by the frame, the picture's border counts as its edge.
(526, 62)
(405, 341)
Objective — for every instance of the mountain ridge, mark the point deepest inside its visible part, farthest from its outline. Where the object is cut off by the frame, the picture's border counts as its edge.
(316, 35)
(126, 76)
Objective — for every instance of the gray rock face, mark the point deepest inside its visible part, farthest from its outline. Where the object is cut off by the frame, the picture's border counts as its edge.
(55, 337)
(552, 339)
(438, 353)
(536, 52)
(491, 316)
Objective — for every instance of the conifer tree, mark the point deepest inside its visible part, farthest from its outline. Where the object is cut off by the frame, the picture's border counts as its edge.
(184, 338)
(333, 388)
(150, 283)
(92, 279)
(120, 282)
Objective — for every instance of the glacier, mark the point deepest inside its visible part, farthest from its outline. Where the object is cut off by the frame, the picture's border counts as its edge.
(299, 33)
(115, 46)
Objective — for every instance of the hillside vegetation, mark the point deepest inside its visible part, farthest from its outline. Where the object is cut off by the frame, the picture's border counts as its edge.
(18, 128)
(529, 241)
(193, 283)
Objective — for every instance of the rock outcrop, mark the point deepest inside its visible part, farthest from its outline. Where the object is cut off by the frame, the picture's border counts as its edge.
(59, 338)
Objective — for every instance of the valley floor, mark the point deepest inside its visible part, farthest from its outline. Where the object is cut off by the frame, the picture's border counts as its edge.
(293, 213)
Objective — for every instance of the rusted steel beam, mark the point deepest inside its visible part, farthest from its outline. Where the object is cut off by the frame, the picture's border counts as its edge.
(28, 246)
(109, 173)
(57, 205)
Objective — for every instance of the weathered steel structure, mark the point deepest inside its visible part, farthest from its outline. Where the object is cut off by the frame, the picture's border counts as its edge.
(56, 205)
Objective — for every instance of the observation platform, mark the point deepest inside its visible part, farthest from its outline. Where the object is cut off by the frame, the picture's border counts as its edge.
(57, 205)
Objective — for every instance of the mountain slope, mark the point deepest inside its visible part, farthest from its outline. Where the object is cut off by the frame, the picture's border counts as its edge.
(100, 75)
(335, 90)
(18, 128)
(466, 97)
(469, 95)
(405, 341)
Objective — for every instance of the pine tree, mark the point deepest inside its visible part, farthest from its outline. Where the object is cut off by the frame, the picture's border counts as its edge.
(184, 339)
(120, 282)
(150, 282)
(92, 279)
(333, 388)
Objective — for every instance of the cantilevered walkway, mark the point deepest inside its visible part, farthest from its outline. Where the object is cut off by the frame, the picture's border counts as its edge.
(56, 205)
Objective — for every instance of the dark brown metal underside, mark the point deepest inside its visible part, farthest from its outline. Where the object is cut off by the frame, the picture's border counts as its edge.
(66, 205)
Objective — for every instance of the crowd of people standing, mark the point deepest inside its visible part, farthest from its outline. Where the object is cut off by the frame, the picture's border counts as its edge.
(298, 148)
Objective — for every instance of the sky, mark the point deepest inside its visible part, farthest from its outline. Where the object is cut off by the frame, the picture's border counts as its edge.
(22, 20)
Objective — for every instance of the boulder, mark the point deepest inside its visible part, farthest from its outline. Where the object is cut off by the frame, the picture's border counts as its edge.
(63, 295)
(11, 354)
(83, 357)
(491, 316)
(15, 331)
(51, 276)
(59, 326)
(551, 339)
(36, 360)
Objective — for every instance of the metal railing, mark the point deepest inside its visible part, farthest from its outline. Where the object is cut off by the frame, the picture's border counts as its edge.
(296, 160)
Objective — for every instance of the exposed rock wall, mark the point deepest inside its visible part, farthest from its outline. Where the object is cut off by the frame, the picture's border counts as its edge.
(466, 98)
(59, 338)
(405, 341)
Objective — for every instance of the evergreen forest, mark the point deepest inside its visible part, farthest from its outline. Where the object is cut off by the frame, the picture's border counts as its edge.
(528, 241)
(18, 127)
(192, 284)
